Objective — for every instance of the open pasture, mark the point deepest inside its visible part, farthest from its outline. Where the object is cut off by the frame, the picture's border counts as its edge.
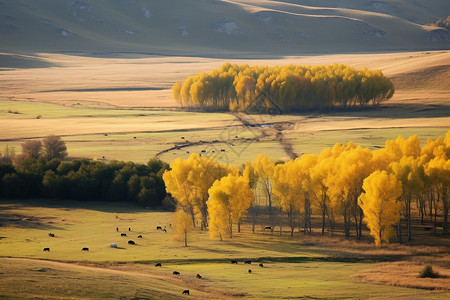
(301, 267)
(120, 107)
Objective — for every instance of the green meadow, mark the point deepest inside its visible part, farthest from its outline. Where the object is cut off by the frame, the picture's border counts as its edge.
(293, 267)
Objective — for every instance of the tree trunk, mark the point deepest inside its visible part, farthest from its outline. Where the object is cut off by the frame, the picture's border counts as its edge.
(239, 227)
(408, 217)
(399, 231)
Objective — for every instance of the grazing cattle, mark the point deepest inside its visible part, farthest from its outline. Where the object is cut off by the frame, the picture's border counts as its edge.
(134, 137)
(158, 228)
(199, 276)
(85, 249)
(222, 150)
(248, 262)
(249, 271)
(130, 242)
(185, 292)
(164, 230)
(157, 265)
(234, 262)
(140, 236)
(176, 273)
(123, 234)
(113, 245)
(106, 134)
(267, 228)
(51, 235)
(117, 229)
(187, 152)
(129, 229)
(261, 265)
(46, 249)
(203, 151)
(182, 137)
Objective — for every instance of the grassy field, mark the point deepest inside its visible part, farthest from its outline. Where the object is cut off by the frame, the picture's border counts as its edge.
(294, 267)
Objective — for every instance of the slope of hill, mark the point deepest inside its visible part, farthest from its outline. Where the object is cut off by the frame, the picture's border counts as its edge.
(219, 27)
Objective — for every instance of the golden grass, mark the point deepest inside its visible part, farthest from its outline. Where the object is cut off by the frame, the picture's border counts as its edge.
(405, 274)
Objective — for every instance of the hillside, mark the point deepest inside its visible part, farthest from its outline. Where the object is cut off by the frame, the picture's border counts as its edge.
(222, 27)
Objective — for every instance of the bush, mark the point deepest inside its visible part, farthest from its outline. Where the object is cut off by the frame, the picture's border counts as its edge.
(428, 272)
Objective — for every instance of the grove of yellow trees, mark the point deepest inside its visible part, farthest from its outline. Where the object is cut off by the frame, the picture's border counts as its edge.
(291, 88)
(348, 184)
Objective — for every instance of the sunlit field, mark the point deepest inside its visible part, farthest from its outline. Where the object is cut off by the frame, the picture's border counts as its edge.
(120, 107)
(298, 266)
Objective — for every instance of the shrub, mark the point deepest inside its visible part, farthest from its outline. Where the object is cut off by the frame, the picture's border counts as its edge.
(428, 272)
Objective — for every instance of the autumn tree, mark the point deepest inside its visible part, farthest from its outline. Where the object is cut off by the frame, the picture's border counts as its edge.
(54, 147)
(182, 226)
(229, 200)
(189, 181)
(32, 148)
(380, 206)
(263, 168)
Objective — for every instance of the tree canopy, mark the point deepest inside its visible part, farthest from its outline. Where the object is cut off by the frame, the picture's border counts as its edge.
(285, 89)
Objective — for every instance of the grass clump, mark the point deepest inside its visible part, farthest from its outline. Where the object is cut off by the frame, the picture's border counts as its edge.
(428, 272)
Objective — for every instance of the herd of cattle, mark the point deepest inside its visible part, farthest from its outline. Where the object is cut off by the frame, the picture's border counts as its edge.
(131, 242)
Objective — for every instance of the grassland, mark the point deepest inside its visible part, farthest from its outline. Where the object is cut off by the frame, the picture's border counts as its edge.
(82, 98)
(299, 266)
(121, 108)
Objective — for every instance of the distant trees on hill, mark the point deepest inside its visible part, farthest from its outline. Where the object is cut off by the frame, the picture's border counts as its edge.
(286, 89)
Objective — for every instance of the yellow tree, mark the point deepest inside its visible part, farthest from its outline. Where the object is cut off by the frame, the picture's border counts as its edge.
(410, 173)
(182, 226)
(263, 168)
(345, 182)
(229, 200)
(380, 205)
(188, 182)
(288, 189)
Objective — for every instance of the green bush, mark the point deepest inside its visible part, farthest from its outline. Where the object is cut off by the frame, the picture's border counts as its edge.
(428, 272)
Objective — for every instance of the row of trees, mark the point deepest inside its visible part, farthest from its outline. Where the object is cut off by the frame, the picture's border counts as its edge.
(382, 188)
(284, 89)
(38, 173)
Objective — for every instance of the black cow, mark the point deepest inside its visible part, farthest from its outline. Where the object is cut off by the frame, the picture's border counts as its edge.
(248, 262)
(130, 242)
(129, 229)
(140, 236)
(199, 276)
(164, 230)
(234, 262)
(185, 292)
(51, 235)
(158, 265)
(261, 265)
(176, 273)
(85, 249)
(158, 228)
(222, 150)
(117, 229)
(123, 234)
(46, 249)
(267, 228)
(249, 271)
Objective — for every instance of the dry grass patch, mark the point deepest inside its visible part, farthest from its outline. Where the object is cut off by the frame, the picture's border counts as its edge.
(405, 274)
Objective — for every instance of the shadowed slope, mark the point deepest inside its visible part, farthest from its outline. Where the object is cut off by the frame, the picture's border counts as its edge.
(217, 28)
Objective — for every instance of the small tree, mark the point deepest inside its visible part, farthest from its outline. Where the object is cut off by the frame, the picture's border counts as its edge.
(182, 226)
(32, 148)
(54, 147)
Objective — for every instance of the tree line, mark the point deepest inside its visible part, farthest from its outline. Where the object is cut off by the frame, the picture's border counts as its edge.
(382, 188)
(284, 89)
(36, 174)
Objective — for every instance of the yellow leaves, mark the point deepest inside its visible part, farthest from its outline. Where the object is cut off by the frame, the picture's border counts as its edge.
(380, 206)
(229, 199)
(292, 88)
(182, 225)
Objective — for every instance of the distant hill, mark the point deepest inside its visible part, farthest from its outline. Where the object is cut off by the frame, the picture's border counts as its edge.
(223, 27)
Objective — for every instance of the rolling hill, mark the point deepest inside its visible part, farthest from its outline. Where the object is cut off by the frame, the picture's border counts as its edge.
(222, 27)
